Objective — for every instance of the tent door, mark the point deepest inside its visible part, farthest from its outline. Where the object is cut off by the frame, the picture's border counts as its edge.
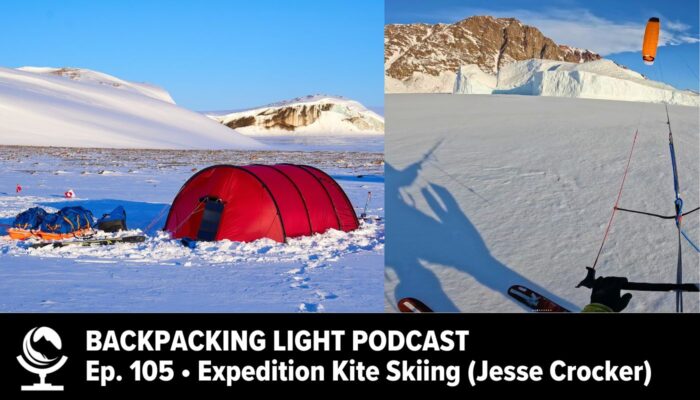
(209, 226)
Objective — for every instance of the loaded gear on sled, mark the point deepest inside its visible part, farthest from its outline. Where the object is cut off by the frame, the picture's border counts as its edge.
(114, 221)
(37, 223)
(68, 222)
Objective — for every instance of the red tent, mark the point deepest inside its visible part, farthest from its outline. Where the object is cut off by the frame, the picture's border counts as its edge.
(245, 203)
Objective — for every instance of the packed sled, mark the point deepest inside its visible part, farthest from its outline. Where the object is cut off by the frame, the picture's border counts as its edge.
(66, 225)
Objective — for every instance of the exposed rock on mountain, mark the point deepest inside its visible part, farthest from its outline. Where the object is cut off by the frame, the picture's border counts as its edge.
(425, 58)
(312, 114)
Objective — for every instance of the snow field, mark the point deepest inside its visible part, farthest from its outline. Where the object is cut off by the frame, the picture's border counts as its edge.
(487, 191)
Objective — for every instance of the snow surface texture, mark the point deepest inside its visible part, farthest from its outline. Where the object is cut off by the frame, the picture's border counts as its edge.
(334, 271)
(602, 79)
(82, 108)
(347, 142)
(342, 116)
(487, 191)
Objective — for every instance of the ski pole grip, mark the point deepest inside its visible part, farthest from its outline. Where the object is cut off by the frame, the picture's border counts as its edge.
(589, 280)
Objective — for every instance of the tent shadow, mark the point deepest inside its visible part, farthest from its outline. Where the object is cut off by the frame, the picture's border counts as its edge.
(415, 239)
(5, 223)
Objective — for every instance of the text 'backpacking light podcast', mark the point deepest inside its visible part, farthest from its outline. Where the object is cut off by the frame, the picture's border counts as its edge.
(451, 196)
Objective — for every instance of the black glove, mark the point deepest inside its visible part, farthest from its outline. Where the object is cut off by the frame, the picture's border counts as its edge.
(606, 291)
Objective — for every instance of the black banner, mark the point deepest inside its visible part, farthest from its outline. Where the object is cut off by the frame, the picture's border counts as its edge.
(449, 354)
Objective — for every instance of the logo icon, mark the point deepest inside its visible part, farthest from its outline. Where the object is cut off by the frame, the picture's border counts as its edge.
(42, 356)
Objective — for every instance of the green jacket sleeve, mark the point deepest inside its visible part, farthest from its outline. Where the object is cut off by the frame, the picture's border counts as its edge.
(596, 307)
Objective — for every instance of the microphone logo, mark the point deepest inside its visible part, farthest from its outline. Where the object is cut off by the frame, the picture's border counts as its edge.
(41, 350)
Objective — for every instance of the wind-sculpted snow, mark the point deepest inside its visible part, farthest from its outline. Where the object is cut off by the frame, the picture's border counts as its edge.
(100, 78)
(79, 108)
(602, 79)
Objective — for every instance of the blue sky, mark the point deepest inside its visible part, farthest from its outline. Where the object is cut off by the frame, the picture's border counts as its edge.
(210, 55)
(612, 28)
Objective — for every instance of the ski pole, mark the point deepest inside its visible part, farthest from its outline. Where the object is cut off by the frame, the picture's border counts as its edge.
(661, 287)
(364, 211)
(590, 280)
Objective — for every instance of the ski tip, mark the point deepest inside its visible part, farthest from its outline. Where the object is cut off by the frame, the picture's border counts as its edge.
(411, 305)
(533, 300)
(517, 288)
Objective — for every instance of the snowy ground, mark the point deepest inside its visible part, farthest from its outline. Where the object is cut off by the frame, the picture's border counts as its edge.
(336, 142)
(335, 271)
(486, 191)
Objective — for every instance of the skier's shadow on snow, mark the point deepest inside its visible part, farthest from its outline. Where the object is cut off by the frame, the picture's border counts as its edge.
(415, 238)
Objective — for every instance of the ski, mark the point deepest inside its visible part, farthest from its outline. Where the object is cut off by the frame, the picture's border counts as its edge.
(91, 242)
(411, 305)
(534, 300)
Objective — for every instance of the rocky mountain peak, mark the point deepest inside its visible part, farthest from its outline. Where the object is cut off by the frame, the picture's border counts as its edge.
(320, 114)
(485, 41)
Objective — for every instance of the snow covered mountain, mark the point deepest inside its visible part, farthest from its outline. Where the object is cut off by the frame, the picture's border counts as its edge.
(486, 55)
(423, 58)
(316, 114)
(81, 108)
(601, 79)
(99, 78)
